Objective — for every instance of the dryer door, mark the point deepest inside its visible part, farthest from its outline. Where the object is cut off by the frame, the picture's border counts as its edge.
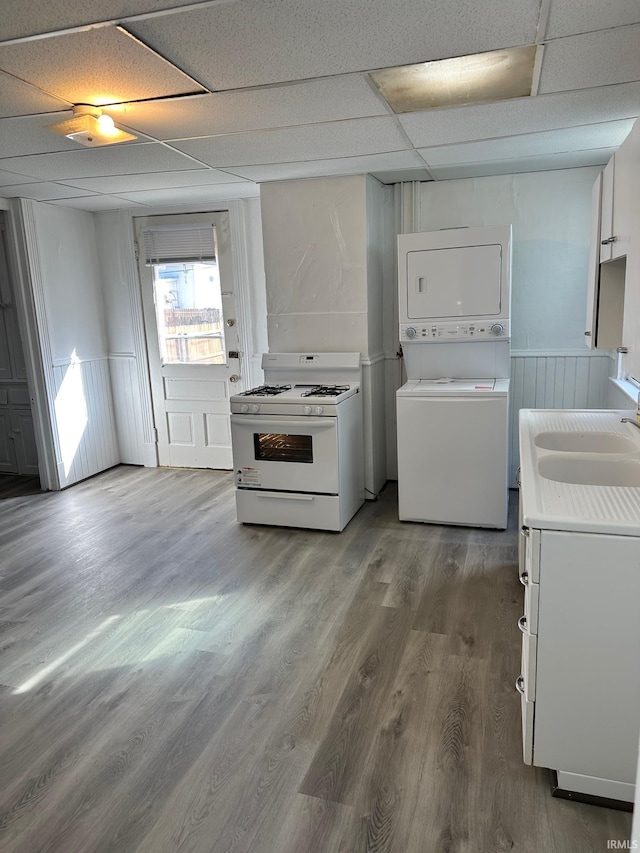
(455, 282)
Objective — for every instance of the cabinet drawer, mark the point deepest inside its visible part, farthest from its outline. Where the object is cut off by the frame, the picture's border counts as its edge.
(528, 661)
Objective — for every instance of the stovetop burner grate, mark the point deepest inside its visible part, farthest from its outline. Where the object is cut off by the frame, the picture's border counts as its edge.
(325, 391)
(266, 391)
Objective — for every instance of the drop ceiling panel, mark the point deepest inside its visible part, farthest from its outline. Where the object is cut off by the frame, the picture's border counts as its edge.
(19, 99)
(331, 99)
(254, 42)
(29, 135)
(398, 160)
(99, 202)
(224, 192)
(606, 135)
(593, 59)
(10, 178)
(123, 159)
(311, 142)
(100, 66)
(523, 115)
(43, 191)
(38, 16)
(543, 163)
(571, 18)
(154, 181)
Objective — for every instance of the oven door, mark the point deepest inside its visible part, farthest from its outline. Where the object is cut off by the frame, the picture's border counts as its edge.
(285, 453)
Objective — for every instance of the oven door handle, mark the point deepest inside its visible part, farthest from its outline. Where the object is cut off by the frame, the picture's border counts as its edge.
(279, 423)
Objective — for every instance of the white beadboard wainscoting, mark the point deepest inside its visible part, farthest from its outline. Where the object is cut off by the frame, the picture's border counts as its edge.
(135, 440)
(561, 379)
(84, 416)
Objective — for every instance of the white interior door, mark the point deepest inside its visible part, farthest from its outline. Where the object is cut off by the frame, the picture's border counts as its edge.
(192, 335)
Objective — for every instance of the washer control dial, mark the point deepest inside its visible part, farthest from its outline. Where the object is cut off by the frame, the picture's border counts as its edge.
(306, 410)
(411, 333)
(497, 329)
(255, 408)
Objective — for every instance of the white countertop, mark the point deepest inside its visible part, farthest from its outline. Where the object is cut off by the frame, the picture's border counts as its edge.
(551, 505)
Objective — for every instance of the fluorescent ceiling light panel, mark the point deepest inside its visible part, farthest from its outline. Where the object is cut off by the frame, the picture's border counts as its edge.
(477, 78)
(91, 127)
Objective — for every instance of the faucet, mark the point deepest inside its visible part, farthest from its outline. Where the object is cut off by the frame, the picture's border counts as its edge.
(630, 421)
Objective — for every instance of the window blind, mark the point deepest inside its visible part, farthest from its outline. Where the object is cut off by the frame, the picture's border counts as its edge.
(179, 243)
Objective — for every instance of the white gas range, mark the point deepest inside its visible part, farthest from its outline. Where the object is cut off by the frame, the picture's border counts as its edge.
(298, 442)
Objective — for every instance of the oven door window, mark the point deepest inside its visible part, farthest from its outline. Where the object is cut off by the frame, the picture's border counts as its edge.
(279, 447)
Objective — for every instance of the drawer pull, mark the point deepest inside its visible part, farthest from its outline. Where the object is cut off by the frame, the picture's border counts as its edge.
(608, 240)
(520, 684)
(522, 624)
(524, 578)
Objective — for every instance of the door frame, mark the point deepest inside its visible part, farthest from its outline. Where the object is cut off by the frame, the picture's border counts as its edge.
(250, 372)
(154, 362)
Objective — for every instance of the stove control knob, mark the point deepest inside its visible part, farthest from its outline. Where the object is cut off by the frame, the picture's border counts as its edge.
(497, 329)
(319, 410)
(306, 410)
(411, 333)
(244, 407)
(255, 408)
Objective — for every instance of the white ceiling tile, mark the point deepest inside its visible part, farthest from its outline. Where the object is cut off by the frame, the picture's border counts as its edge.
(397, 160)
(99, 66)
(38, 16)
(593, 59)
(311, 142)
(18, 98)
(570, 18)
(523, 115)
(123, 159)
(254, 42)
(98, 202)
(331, 99)
(177, 195)
(10, 178)
(544, 163)
(29, 135)
(43, 191)
(154, 181)
(606, 135)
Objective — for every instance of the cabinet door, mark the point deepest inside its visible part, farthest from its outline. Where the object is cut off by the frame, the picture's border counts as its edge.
(606, 212)
(587, 709)
(594, 265)
(626, 179)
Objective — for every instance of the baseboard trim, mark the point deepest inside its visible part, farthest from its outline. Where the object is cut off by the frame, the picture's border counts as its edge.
(589, 799)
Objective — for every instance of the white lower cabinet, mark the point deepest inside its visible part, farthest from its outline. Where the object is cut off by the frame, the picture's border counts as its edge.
(580, 678)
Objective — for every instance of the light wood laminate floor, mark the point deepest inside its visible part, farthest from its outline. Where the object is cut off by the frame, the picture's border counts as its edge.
(173, 681)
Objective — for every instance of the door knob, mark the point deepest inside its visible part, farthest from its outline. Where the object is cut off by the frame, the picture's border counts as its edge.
(234, 378)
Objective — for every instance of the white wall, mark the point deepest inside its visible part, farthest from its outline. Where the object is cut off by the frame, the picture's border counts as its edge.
(62, 272)
(326, 248)
(315, 259)
(551, 217)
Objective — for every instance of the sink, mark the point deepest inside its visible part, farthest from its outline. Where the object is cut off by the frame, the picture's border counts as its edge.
(584, 442)
(590, 472)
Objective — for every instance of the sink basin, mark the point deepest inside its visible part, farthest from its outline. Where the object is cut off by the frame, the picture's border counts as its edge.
(584, 442)
(590, 472)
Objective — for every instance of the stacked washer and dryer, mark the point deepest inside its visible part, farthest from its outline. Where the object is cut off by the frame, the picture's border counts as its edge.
(452, 413)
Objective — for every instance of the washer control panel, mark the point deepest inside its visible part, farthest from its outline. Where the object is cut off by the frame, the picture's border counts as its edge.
(466, 331)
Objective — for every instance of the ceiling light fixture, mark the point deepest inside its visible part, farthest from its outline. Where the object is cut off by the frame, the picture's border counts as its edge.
(478, 78)
(91, 127)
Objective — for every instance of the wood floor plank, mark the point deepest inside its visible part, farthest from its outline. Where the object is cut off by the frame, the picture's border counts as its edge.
(173, 681)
